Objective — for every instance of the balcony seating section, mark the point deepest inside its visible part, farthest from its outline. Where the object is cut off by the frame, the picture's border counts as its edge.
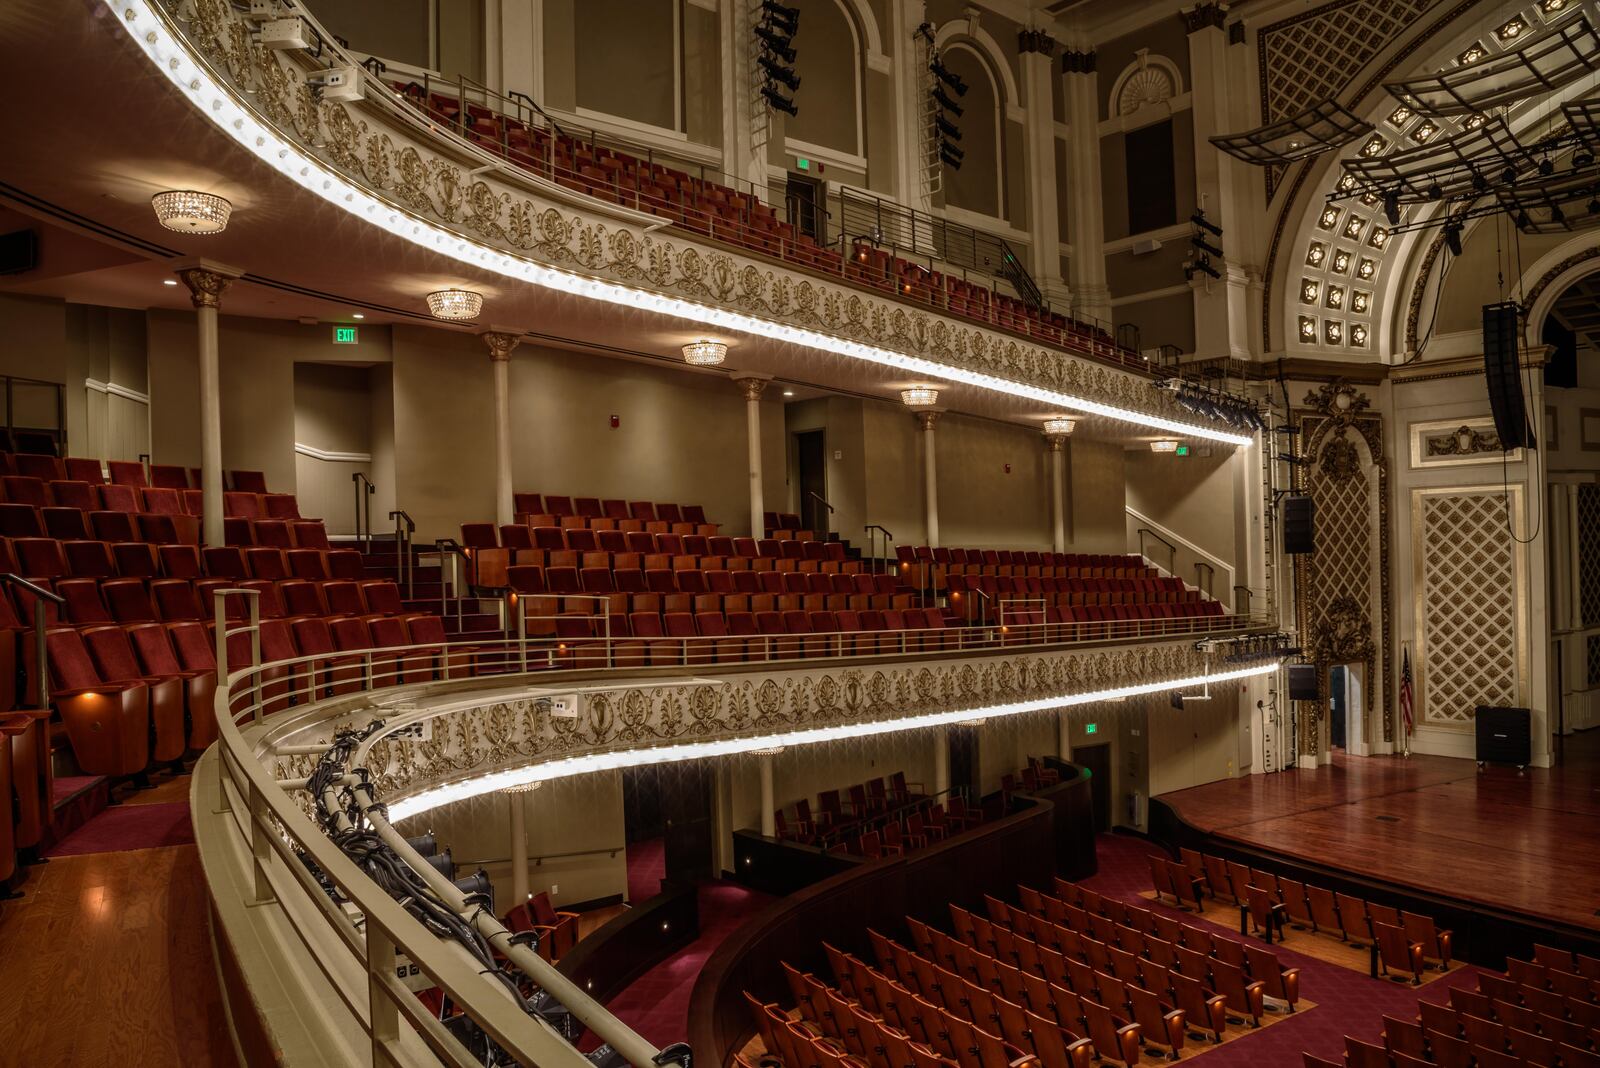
(932, 568)
(1408, 943)
(742, 220)
(884, 816)
(557, 930)
(1544, 1012)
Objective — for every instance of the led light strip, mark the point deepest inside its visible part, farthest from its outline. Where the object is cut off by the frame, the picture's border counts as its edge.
(216, 101)
(582, 765)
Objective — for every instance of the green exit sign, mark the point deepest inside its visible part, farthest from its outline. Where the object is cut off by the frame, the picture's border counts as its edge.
(346, 335)
(1183, 450)
(1091, 728)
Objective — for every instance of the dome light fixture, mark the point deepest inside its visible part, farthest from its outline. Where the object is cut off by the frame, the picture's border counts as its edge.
(1060, 426)
(191, 212)
(919, 397)
(455, 304)
(1164, 445)
(705, 353)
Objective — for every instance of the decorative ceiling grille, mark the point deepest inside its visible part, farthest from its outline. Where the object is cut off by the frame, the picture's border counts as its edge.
(1315, 56)
(1469, 614)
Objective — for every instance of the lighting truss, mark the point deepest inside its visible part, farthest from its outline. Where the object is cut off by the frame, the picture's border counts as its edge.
(1583, 117)
(1323, 126)
(1542, 65)
(1468, 163)
(1558, 205)
(1242, 413)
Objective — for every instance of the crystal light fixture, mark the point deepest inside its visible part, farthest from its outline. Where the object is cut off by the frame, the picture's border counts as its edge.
(191, 212)
(705, 353)
(919, 397)
(455, 304)
(1164, 445)
(1060, 425)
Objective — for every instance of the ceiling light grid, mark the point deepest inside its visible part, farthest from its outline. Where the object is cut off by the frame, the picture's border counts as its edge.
(147, 27)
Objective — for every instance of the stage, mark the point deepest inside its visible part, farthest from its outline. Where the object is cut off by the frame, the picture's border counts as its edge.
(1525, 844)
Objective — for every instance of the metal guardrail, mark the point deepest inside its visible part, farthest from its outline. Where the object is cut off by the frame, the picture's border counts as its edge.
(363, 518)
(41, 694)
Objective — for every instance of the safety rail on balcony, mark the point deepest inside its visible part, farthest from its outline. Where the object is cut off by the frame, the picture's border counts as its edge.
(41, 597)
(364, 490)
(878, 542)
(404, 527)
(1172, 550)
(1204, 577)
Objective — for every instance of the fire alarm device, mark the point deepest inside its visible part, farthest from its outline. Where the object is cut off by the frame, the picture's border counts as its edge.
(1008, 469)
(616, 421)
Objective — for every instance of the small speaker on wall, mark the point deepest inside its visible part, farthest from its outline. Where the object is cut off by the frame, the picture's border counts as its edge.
(1302, 682)
(1299, 521)
(1502, 369)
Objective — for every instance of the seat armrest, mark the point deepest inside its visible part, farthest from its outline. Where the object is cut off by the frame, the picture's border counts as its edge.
(1081, 1053)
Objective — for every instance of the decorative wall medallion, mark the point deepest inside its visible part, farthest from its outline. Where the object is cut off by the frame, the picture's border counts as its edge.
(1457, 442)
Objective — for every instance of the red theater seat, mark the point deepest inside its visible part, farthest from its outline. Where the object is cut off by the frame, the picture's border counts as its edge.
(107, 723)
(157, 656)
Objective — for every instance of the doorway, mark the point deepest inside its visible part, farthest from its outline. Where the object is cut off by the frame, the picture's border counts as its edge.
(1096, 759)
(1346, 700)
(1337, 702)
(667, 813)
(811, 459)
(963, 742)
(806, 199)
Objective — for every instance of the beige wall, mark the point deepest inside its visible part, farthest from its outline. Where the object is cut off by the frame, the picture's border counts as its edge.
(1196, 744)
(894, 472)
(830, 65)
(981, 503)
(37, 345)
(625, 54)
(109, 345)
(1192, 496)
(1095, 496)
(1473, 278)
(332, 413)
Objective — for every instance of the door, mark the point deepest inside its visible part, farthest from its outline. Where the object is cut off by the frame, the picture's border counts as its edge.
(1338, 704)
(672, 802)
(963, 742)
(1097, 760)
(811, 451)
(805, 198)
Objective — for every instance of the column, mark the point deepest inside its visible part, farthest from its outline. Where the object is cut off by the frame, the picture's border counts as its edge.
(207, 282)
(741, 156)
(500, 343)
(1058, 489)
(909, 105)
(769, 806)
(1037, 49)
(941, 761)
(1064, 733)
(754, 386)
(519, 847)
(1224, 188)
(516, 47)
(1091, 299)
(927, 420)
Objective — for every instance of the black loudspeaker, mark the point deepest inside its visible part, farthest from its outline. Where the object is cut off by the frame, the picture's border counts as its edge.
(1302, 682)
(19, 251)
(1299, 519)
(1503, 371)
(1504, 735)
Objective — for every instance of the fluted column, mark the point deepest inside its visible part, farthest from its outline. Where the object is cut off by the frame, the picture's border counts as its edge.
(1037, 51)
(500, 344)
(754, 386)
(207, 282)
(769, 805)
(941, 760)
(927, 420)
(519, 847)
(1091, 299)
(1064, 733)
(1058, 489)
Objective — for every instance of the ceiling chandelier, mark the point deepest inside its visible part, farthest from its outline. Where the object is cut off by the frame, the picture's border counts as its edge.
(1060, 426)
(455, 304)
(191, 212)
(1164, 445)
(919, 397)
(705, 353)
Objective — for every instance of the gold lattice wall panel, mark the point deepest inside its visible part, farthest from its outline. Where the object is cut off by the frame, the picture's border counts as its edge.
(1589, 551)
(1467, 603)
(1315, 55)
(1342, 566)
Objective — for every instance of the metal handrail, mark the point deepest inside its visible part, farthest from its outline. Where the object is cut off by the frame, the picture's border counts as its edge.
(1248, 597)
(1172, 550)
(404, 527)
(1206, 582)
(457, 554)
(877, 563)
(363, 508)
(41, 595)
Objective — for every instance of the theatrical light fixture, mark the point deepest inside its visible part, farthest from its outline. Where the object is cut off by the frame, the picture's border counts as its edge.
(788, 18)
(778, 101)
(943, 111)
(948, 77)
(705, 353)
(1391, 206)
(455, 304)
(778, 73)
(919, 397)
(776, 55)
(1060, 426)
(1164, 445)
(776, 43)
(191, 212)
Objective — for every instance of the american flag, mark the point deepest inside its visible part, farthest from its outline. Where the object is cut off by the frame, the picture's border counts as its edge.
(1405, 691)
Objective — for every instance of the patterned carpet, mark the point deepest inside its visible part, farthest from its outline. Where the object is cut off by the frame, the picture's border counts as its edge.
(1346, 1002)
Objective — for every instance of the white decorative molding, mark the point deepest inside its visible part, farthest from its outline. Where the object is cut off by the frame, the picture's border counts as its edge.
(113, 390)
(1163, 235)
(1433, 444)
(332, 456)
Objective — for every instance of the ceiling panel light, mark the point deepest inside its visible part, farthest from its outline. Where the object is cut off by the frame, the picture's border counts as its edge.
(191, 212)
(455, 304)
(705, 353)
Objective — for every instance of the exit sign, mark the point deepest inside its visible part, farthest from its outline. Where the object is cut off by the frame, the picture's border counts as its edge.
(1183, 450)
(1090, 728)
(803, 163)
(346, 335)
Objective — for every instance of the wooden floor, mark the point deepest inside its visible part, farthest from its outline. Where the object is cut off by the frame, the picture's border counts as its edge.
(1528, 843)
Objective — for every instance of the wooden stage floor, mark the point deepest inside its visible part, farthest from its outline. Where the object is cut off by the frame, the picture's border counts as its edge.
(1525, 843)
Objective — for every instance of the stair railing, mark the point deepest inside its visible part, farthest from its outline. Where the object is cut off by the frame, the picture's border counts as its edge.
(874, 531)
(820, 499)
(363, 508)
(1204, 577)
(41, 693)
(404, 527)
(1245, 602)
(460, 559)
(1172, 550)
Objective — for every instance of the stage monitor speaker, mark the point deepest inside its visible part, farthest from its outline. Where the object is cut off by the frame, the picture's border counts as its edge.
(19, 251)
(1504, 735)
(1502, 368)
(1302, 682)
(1299, 520)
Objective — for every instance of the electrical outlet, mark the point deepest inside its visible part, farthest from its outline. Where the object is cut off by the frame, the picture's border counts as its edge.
(555, 889)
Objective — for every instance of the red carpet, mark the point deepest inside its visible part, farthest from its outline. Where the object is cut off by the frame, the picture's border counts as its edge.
(125, 827)
(647, 866)
(1346, 1001)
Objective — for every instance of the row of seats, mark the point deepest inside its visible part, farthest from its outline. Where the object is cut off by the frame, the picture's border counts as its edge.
(933, 568)
(47, 468)
(1406, 940)
(121, 497)
(741, 219)
(68, 523)
(1544, 1012)
(90, 602)
(560, 506)
(49, 558)
(681, 590)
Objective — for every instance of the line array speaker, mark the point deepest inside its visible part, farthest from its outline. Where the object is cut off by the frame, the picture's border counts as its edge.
(1502, 369)
(1302, 682)
(1299, 521)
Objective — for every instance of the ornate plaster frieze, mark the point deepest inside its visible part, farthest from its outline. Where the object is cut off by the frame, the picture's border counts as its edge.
(447, 182)
(472, 740)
